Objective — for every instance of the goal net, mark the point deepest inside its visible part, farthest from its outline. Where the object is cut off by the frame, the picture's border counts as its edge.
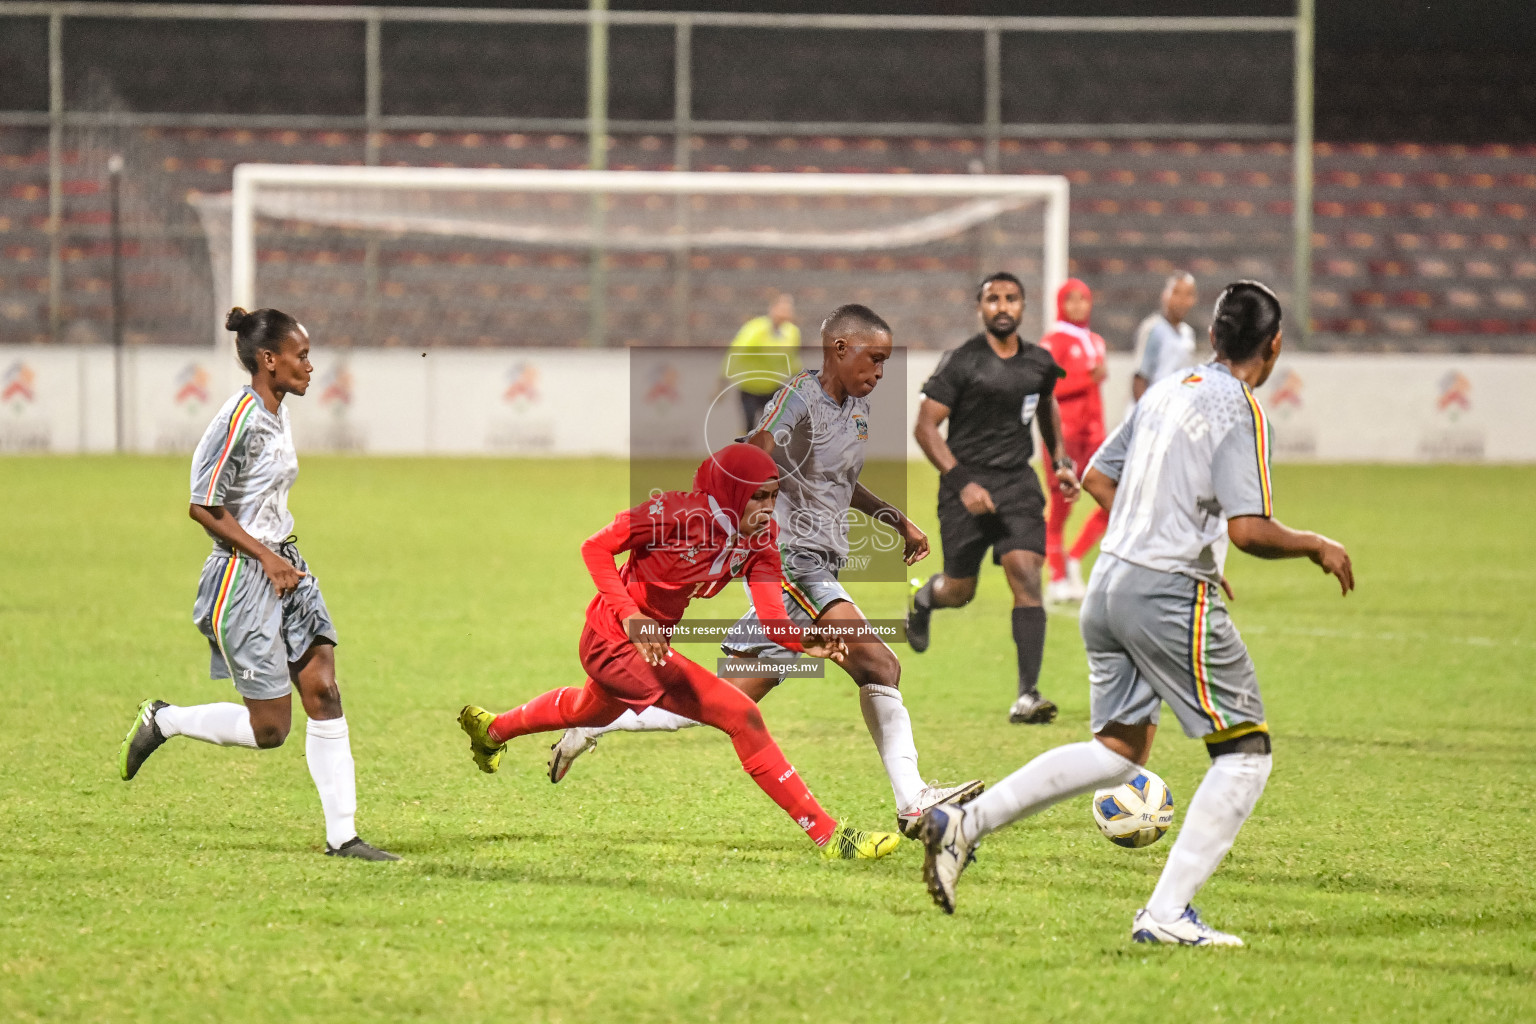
(418, 257)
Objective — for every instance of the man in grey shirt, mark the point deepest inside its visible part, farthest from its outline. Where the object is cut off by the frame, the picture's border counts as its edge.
(1185, 474)
(1165, 344)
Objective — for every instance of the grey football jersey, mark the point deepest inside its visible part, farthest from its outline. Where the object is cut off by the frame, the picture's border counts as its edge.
(1193, 454)
(1163, 349)
(246, 462)
(819, 446)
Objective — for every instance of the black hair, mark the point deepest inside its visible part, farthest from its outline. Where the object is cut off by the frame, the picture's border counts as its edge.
(852, 318)
(1000, 275)
(1247, 315)
(263, 330)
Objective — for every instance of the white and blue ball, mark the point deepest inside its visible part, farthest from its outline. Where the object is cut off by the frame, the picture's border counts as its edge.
(1135, 813)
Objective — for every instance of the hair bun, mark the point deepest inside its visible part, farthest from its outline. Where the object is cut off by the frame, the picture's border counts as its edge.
(235, 319)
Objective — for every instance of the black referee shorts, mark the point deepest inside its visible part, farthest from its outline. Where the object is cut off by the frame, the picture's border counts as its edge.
(1017, 525)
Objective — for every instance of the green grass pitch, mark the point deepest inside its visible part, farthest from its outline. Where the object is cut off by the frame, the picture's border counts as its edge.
(1386, 875)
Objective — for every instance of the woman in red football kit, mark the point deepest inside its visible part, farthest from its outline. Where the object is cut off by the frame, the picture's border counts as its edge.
(682, 546)
(1079, 352)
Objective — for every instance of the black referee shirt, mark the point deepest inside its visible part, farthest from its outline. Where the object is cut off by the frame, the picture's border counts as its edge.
(992, 401)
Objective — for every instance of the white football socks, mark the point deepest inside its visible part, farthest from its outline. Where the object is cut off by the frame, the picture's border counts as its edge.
(891, 728)
(1226, 797)
(1052, 777)
(228, 725)
(328, 750)
(652, 719)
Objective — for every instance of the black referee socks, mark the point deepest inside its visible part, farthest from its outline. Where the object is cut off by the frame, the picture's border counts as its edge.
(1029, 636)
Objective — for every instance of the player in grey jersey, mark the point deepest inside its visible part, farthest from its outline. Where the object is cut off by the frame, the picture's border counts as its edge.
(258, 605)
(817, 427)
(1185, 474)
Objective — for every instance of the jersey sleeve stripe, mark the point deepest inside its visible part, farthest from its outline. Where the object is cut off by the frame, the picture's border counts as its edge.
(237, 421)
(1261, 449)
(1199, 621)
(781, 400)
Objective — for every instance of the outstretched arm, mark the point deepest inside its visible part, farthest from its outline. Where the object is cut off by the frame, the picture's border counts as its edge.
(1263, 537)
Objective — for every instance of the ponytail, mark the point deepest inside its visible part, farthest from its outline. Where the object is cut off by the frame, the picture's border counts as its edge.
(1246, 317)
(261, 331)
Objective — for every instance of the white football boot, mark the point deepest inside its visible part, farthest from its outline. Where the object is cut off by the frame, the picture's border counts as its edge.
(1032, 709)
(908, 821)
(1188, 930)
(1059, 592)
(946, 852)
(564, 753)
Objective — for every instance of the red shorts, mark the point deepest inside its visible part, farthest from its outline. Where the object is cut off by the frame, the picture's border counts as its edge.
(623, 674)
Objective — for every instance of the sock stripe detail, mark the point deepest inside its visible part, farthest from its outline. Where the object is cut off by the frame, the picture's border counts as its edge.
(1199, 621)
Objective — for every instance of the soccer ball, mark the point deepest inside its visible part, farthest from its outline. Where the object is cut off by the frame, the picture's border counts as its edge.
(1136, 813)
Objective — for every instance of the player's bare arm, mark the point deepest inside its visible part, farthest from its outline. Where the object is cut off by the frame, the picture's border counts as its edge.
(930, 415)
(217, 521)
(1100, 488)
(914, 540)
(1051, 438)
(1270, 538)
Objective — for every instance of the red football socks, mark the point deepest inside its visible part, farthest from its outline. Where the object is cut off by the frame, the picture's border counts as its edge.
(778, 778)
(564, 708)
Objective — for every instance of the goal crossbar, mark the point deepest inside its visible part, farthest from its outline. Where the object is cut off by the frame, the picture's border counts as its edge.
(987, 194)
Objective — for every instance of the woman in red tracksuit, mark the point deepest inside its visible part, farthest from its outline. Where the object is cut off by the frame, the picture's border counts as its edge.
(1079, 352)
(684, 545)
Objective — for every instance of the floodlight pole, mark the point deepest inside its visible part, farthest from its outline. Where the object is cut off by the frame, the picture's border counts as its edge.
(115, 181)
(597, 160)
(682, 155)
(1301, 260)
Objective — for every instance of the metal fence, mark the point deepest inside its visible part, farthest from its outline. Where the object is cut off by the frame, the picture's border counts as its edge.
(372, 118)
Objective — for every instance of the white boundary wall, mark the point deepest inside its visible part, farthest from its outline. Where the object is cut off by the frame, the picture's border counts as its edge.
(559, 402)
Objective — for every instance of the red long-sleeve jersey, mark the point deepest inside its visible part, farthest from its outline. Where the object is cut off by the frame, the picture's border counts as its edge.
(681, 546)
(1078, 350)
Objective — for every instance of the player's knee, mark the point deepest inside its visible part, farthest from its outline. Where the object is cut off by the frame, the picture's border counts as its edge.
(269, 735)
(883, 669)
(957, 593)
(752, 719)
(323, 700)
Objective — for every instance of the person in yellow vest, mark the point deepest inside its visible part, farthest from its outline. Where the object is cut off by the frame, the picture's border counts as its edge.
(763, 356)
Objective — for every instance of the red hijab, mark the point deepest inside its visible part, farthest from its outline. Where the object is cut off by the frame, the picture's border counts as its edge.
(1071, 284)
(733, 474)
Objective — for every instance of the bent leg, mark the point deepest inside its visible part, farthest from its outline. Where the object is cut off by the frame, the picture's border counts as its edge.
(564, 708)
(1054, 776)
(874, 667)
(696, 693)
(228, 725)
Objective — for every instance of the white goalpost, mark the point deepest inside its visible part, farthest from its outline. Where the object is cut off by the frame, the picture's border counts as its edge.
(464, 254)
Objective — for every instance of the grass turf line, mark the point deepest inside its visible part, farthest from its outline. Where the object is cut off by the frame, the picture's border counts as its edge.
(1385, 874)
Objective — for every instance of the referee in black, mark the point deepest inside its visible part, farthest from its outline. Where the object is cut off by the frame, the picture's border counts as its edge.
(991, 389)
